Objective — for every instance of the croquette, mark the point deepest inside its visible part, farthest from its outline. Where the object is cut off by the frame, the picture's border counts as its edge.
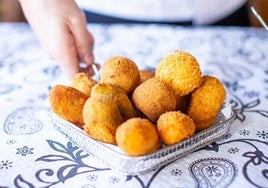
(174, 127)
(180, 71)
(120, 72)
(67, 102)
(137, 137)
(206, 102)
(121, 99)
(83, 82)
(101, 117)
(154, 98)
(145, 75)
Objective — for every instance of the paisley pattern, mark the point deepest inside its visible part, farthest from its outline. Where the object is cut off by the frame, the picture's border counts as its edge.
(213, 172)
(237, 56)
(23, 121)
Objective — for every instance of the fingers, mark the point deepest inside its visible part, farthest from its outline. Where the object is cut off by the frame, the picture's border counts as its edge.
(68, 57)
(69, 61)
(84, 41)
(74, 45)
(61, 29)
(66, 52)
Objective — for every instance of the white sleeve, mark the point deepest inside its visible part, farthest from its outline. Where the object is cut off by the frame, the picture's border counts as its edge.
(143, 10)
(211, 11)
(198, 11)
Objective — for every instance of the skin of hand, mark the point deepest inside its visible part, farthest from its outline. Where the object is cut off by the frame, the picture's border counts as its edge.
(60, 26)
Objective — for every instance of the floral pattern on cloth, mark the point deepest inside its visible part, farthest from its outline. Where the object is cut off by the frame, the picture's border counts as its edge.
(34, 154)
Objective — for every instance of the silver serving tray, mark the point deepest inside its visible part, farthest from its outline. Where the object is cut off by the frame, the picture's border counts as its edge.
(115, 158)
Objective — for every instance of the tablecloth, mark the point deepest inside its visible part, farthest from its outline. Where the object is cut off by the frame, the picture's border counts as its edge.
(34, 154)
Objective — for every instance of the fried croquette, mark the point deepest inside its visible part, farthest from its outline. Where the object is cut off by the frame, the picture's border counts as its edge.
(67, 102)
(174, 127)
(137, 137)
(120, 72)
(154, 98)
(121, 99)
(145, 75)
(180, 71)
(101, 117)
(206, 102)
(83, 82)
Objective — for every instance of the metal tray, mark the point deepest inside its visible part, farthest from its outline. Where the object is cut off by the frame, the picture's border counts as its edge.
(115, 158)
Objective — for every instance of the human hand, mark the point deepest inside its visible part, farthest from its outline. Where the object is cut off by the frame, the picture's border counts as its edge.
(60, 26)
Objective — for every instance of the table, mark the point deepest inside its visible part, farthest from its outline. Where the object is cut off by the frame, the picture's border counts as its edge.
(34, 154)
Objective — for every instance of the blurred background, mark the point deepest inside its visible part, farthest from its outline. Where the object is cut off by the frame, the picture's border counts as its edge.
(10, 11)
(261, 7)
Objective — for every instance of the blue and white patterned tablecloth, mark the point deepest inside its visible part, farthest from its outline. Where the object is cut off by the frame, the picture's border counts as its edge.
(34, 154)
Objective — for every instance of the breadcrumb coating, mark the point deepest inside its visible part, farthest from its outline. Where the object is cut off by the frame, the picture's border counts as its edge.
(83, 82)
(145, 75)
(120, 72)
(174, 127)
(101, 117)
(122, 101)
(206, 102)
(67, 102)
(154, 98)
(137, 137)
(180, 71)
